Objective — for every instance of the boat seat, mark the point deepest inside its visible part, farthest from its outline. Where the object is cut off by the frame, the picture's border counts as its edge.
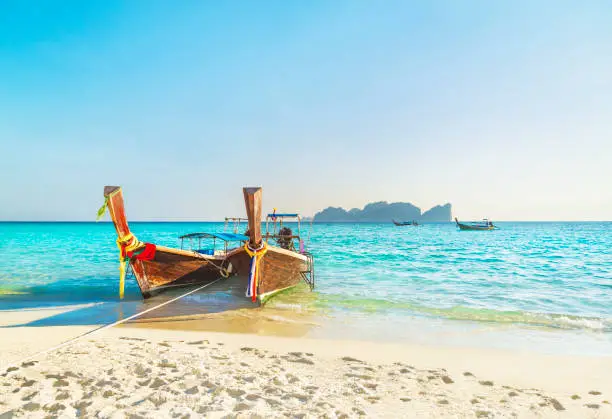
(206, 251)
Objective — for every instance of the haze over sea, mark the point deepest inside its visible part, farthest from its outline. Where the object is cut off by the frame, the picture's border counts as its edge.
(526, 284)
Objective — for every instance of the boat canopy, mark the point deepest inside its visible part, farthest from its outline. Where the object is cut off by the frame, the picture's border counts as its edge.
(282, 215)
(228, 237)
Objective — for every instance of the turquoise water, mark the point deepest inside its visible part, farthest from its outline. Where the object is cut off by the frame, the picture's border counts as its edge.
(546, 275)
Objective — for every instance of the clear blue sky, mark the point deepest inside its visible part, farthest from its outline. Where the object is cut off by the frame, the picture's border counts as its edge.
(503, 108)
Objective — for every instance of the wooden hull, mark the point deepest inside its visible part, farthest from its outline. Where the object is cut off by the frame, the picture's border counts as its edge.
(280, 269)
(175, 268)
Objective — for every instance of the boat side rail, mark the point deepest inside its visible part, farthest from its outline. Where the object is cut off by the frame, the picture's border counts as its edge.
(308, 275)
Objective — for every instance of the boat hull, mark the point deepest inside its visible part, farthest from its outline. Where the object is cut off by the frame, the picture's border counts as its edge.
(474, 228)
(405, 223)
(173, 268)
(280, 269)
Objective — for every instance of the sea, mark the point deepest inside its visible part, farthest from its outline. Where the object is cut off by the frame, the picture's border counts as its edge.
(543, 286)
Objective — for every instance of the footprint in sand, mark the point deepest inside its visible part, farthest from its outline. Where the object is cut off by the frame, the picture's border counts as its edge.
(29, 396)
(235, 393)
(301, 361)
(31, 407)
(28, 364)
(54, 408)
(241, 406)
(197, 342)
(157, 383)
(28, 383)
(192, 390)
(556, 404)
(63, 396)
(61, 383)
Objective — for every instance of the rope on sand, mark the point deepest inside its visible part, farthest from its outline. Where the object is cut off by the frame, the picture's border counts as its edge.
(108, 326)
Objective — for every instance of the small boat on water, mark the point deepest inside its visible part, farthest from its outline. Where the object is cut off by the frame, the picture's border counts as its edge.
(483, 225)
(265, 266)
(405, 223)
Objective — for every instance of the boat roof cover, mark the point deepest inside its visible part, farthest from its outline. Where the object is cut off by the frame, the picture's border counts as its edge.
(283, 215)
(228, 237)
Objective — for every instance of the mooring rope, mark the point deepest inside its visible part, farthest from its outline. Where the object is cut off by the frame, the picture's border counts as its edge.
(108, 326)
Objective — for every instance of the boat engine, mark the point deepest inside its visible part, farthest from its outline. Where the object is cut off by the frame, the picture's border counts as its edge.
(284, 239)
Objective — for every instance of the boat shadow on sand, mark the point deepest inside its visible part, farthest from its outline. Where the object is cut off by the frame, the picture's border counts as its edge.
(226, 295)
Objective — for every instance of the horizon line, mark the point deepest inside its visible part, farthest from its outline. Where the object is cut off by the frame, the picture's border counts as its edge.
(303, 219)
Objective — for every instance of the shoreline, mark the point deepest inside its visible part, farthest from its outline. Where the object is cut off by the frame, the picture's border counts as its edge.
(208, 373)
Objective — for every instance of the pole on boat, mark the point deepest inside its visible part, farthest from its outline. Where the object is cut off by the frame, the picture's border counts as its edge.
(256, 248)
(252, 202)
(113, 196)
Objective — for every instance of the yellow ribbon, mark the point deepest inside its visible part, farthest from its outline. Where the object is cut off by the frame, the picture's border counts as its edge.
(102, 209)
(127, 243)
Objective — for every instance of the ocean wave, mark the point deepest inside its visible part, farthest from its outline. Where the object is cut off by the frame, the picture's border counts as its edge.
(550, 320)
(464, 313)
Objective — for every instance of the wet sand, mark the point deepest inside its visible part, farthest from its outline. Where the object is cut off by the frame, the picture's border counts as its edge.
(143, 371)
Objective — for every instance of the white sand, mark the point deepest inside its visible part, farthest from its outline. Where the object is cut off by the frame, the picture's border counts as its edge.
(127, 371)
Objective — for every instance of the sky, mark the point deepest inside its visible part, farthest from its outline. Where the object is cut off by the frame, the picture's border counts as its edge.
(503, 109)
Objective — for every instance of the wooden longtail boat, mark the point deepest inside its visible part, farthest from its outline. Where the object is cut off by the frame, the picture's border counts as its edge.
(405, 223)
(265, 269)
(484, 225)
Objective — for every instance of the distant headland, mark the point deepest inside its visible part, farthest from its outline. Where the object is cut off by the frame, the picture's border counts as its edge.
(384, 212)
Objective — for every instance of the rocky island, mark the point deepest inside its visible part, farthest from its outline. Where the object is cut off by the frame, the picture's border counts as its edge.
(385, 212)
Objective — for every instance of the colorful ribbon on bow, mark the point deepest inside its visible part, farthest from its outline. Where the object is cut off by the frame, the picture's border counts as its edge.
(256, 255)
(131, 248)
(125, 244)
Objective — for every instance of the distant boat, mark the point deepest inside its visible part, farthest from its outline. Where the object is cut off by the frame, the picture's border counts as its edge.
(483, 225)
(405, 223)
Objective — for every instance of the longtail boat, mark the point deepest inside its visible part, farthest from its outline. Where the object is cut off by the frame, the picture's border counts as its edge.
(484, 225)
(405, 223)
(266, 269)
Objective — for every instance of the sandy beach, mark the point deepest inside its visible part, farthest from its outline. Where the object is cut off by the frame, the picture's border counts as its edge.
(146, 372)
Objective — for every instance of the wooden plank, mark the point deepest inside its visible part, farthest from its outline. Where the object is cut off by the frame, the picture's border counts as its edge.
(252, 202)
(116, 209)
